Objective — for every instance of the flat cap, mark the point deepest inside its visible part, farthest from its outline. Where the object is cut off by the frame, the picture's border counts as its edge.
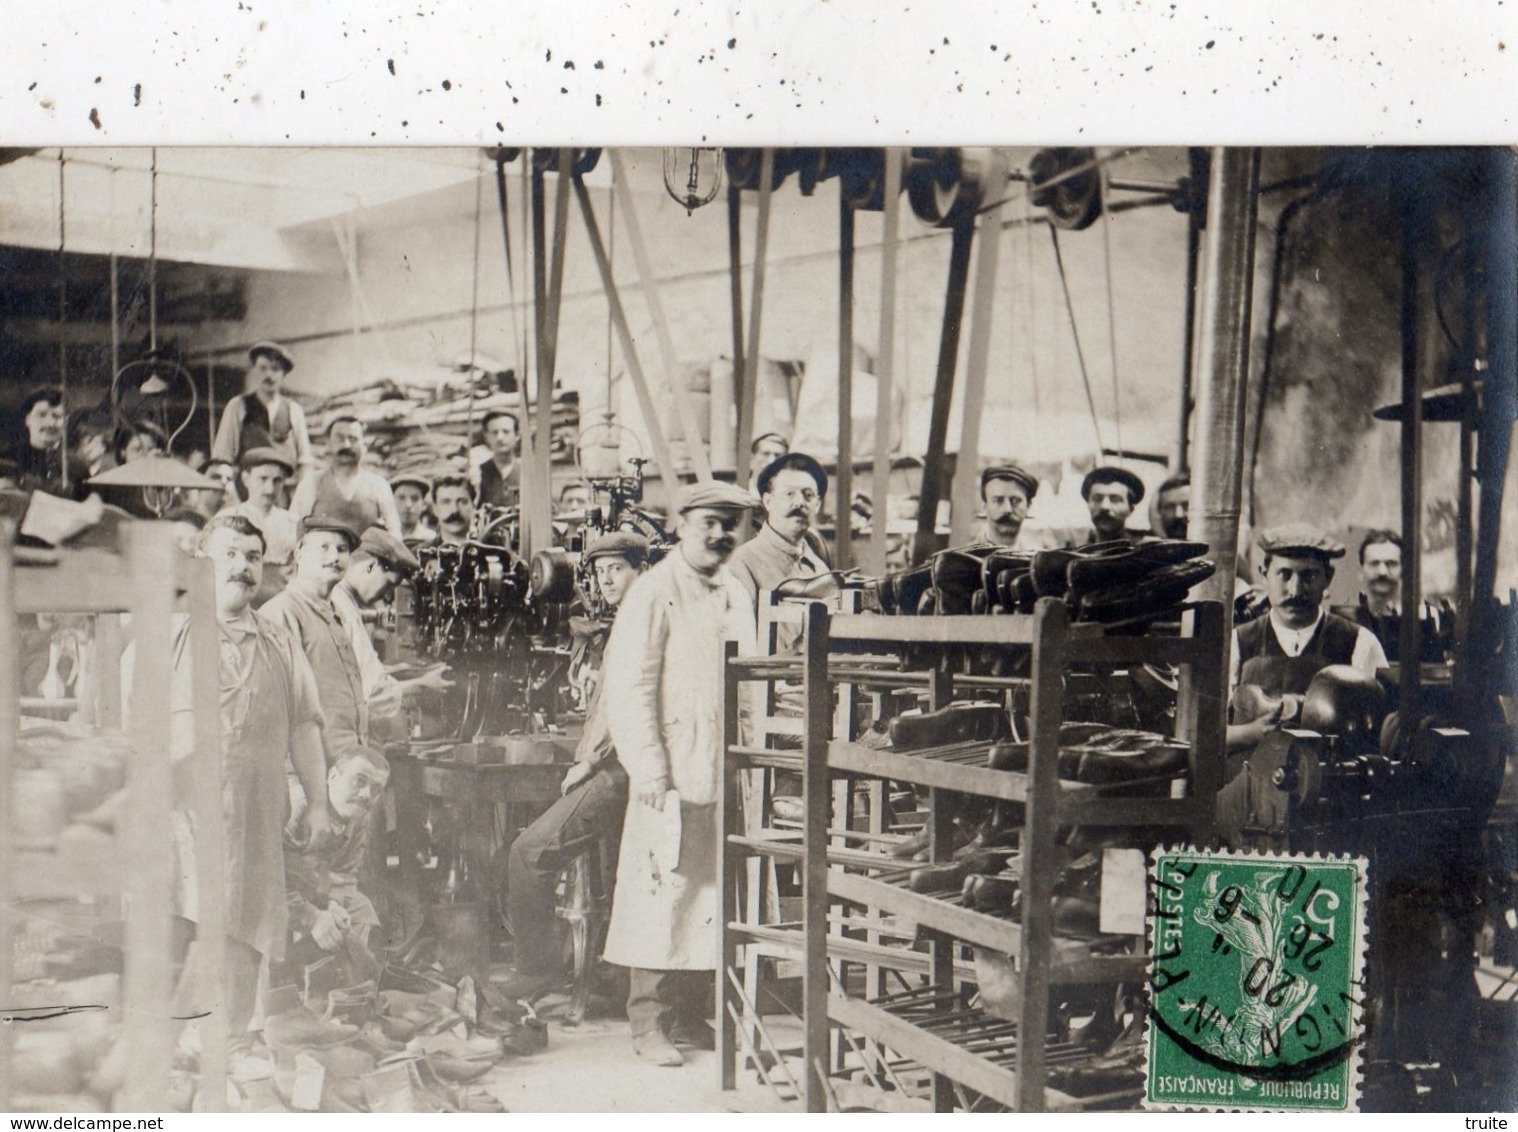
(716, 495)
(253, 457)
(416, 479)
(627, 544)
(1300, 539)
(385, 548)
(796, 462)
(274, 351)
(341, 519)
(763, 436)
(1026, 480)
(1107, 473)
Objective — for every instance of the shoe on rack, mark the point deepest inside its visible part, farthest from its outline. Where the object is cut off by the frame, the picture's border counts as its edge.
(654, 1048)
(693, 1035)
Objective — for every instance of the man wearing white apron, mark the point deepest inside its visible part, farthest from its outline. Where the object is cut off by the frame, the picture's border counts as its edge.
(663, 698)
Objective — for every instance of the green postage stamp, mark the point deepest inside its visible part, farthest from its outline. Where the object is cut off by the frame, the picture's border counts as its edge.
(1256, 981)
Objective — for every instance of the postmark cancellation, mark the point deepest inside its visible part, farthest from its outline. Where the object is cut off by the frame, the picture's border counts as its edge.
(1256, 981)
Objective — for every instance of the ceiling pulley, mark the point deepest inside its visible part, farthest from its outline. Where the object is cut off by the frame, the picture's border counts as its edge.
(1067, 184)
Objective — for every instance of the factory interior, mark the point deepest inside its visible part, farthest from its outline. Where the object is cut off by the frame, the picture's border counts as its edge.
(754, 629)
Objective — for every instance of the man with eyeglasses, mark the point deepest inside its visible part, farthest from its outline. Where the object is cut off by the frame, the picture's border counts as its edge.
(792, 489)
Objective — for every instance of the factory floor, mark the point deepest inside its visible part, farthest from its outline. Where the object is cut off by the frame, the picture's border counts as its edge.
(592, 1068)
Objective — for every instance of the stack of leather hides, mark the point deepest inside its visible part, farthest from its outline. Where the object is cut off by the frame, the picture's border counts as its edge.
(1105, 582)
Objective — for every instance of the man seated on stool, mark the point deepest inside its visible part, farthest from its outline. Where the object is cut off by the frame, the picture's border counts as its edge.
(1280, 653)
(322, 884)
(593, 802)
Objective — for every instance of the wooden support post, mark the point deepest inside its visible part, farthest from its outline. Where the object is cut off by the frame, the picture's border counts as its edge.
(818, 710)
(1232, 207)
(965, 489)
(1475, 678)
(885, 365)
(146, 989)
(531, 489)
(625, 338)
(1034, 947)
(843, 482)
(940, 849)
(926, 541)
(10, 728)
(748, 390)
(684, 408)
(735, 289)
(730, 823)
(1414, 221)
(210, 836)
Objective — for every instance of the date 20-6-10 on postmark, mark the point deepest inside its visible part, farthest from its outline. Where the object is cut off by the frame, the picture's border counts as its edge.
(1256, 982)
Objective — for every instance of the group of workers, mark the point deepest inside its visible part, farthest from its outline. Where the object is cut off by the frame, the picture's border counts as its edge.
(302, 684)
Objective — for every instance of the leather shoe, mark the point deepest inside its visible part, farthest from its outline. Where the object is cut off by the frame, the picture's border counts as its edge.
(302, 1029)
(693, 1035)
(654, 1048)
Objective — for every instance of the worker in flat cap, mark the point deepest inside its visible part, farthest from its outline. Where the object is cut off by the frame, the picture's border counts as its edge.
(324, 547)
(262, 476)
(1111, 493)
(263, 416)
(1007, 491)
(1280, 653)
(663, 700)
(792, 489)
(379, 564)
(593, 796)
(413, 493)
(763, 451)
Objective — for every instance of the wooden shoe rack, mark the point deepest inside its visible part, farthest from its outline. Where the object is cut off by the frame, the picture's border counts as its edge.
(148, 578)
(856, 913)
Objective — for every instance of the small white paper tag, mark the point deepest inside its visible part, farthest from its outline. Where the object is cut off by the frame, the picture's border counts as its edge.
(306, 1093)
(1123, 889)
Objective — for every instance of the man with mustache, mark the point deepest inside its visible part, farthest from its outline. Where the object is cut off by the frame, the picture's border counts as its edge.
(39, 455)
(454, 505)
(1172, 506)
(1007, 492)
(1281, 652)
(264, 417)
(1112, 493)
(792, 489)
(346, 483)
(326, 904)
(306, 612)
(662, 690)
(270, 722)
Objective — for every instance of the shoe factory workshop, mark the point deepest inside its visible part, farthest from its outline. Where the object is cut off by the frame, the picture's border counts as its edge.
(758, 630)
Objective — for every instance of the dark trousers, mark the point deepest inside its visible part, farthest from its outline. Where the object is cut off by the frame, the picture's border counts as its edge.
(657, 999)
(588, 814)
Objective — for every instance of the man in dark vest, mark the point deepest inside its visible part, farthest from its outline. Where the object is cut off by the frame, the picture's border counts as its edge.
(1277, 655)
(264, 417)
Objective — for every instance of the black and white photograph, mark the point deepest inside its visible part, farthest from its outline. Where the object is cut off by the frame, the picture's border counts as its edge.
(764, 628)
